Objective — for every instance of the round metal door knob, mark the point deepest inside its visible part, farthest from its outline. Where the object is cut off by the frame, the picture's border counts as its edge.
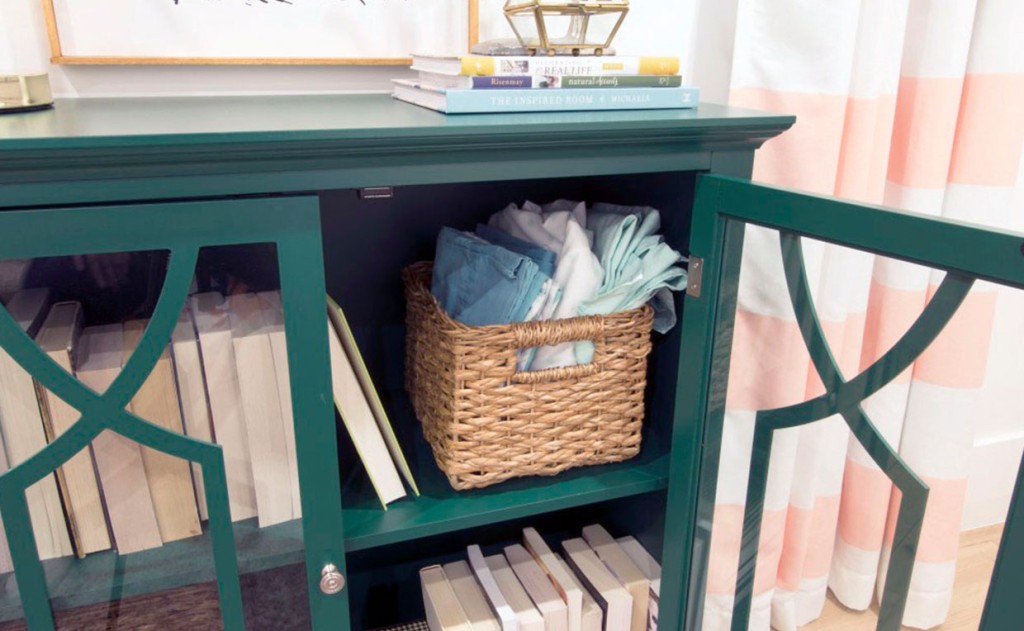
(331, 580)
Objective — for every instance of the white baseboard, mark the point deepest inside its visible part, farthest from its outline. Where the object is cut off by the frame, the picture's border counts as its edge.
(992, 474)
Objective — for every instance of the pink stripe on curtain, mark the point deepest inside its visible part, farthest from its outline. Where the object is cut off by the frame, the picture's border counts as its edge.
(725, 549)
(818, 129)
(940, 533)
(923, 132)
(865, 144)
(990, 131)
(809, 542)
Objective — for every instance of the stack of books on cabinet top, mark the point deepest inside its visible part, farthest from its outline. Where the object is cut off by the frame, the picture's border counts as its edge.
(223, 378)
(593, 583)
(494, 83)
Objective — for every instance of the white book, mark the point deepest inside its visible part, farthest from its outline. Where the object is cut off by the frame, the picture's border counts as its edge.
(613, 556)
(273, 318)
(119, 463)
(559, 576)
(355, 357)
(471, 596)
(170, 477)
(651, 569)
(6, 565)
(218, 356)
(444, 613)
(57, 338)
(541, 591)
(501, 599)
(257, 382)
(361, 425)
(22, 425)
(195, 406)
(610, 595)
(529, 619)
(592, 618)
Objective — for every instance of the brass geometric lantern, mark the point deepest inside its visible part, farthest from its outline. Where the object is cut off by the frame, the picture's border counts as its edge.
(579, 26)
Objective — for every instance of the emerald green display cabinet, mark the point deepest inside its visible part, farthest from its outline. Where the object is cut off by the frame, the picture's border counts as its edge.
(347, 190)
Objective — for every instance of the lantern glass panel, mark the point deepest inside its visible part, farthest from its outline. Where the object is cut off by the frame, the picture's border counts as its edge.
(525, 26)
(565, 28)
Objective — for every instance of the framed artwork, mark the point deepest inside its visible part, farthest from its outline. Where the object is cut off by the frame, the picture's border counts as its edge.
(258, 32)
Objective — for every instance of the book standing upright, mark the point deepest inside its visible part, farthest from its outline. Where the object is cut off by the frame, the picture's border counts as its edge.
(273, 318)
(122, 473)
(195, 406)
(559, 576)
(22, 424)
(76, 477)
(616, 559)
(6, 565)
(257, 381)
(526, 614)
(170, 477)
(218, 356)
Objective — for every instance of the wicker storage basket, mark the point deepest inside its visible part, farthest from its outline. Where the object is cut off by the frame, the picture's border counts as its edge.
(487, 423)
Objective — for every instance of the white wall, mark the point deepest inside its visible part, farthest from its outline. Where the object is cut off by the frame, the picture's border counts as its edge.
(659, 27)
(999, 422)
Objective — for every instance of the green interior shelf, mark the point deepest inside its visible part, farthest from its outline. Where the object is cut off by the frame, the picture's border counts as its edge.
(106, 576)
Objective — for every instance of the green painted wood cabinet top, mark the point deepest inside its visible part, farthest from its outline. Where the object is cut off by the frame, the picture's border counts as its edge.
(129, 149)
(137, 155)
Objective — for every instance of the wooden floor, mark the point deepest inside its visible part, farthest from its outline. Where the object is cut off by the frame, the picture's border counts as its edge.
(973, 571)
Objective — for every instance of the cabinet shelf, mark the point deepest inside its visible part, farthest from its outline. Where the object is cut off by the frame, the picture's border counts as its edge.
(105, 576)
(440, 509)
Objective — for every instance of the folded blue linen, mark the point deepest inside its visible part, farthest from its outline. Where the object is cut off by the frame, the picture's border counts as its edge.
(479, 283)
(544, 258)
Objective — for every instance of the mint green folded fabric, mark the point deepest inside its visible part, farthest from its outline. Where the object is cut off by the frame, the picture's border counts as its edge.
(639, 266)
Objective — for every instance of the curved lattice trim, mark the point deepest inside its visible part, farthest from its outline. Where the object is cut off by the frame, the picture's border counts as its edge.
(107, 411)
(844, 398)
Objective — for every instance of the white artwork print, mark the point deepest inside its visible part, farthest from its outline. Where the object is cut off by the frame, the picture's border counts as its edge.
(261, 29)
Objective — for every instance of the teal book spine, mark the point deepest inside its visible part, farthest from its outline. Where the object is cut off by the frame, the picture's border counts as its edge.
(569, 100)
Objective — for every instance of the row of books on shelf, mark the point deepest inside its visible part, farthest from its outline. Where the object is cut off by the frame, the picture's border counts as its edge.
(596, 583)
(482, 83)
(223, 378)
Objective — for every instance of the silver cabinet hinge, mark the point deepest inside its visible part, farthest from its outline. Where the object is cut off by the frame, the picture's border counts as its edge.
(696, 275)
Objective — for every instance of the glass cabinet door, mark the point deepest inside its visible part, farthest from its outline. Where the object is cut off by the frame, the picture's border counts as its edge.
(842, 410)
(169, 457)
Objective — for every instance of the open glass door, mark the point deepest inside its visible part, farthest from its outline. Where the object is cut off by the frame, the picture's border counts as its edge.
(838, 452)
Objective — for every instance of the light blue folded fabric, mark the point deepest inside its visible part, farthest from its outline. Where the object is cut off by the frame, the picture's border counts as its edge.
(544, 258)
(639, 266)
(479, 283)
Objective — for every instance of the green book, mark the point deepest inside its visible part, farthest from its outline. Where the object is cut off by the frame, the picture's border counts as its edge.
(348, 343)
(636, 81)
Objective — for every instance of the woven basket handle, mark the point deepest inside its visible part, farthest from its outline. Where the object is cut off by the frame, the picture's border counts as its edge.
(552, 332)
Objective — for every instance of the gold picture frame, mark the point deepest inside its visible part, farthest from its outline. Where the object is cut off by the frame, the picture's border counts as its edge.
(58, 57)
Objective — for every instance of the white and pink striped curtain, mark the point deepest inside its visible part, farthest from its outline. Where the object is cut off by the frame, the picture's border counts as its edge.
(915, 104)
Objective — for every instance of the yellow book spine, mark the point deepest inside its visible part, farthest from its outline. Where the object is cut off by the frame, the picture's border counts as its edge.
(477, 65)
(659, 65)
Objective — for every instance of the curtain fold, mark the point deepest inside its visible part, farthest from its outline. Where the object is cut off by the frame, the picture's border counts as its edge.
(917, 104)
